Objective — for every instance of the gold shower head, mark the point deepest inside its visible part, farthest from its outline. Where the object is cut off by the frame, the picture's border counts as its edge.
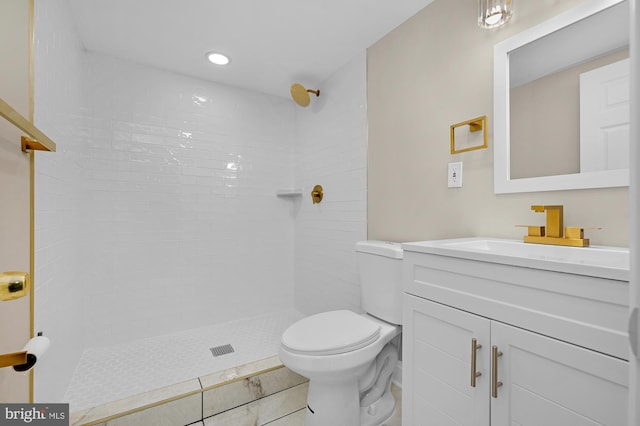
(301, 95)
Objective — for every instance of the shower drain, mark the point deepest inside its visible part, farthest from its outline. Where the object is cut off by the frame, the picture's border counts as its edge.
(222, 350)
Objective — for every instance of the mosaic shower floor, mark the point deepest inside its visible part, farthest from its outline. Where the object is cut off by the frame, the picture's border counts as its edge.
(110, 373)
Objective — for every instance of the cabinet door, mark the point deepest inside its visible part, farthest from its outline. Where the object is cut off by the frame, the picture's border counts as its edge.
(552, 383)
(437, 358)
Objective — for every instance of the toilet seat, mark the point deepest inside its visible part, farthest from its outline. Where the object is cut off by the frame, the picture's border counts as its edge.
(330, 333)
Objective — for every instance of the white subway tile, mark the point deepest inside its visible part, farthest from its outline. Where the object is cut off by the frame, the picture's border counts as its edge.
(161, 197)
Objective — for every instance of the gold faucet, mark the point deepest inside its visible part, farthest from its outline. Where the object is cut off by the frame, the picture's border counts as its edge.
(553, 232)
(555, 216)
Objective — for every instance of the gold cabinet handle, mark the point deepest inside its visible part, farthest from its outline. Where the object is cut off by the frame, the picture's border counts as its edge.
(495, 384)
(474, 374)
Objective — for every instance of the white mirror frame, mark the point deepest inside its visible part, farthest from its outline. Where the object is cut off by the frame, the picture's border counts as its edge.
(502, 181)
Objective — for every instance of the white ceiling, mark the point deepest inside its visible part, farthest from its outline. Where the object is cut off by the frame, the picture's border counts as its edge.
(272, 43)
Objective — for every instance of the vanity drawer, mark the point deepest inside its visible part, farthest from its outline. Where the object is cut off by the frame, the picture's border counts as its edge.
(587, 311)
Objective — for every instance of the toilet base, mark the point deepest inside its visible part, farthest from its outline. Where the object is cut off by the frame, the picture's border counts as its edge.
(339, 405)
(333, 404)
(378, 412)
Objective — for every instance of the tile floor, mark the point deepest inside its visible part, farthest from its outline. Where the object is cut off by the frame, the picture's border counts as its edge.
(275, 397)
(255, 393)
(111, 373)
(296, 418)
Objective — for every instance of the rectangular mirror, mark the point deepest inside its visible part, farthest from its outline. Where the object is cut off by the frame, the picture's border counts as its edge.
(561, 102)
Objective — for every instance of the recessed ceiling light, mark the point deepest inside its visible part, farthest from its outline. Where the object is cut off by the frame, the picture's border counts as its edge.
(218, 58)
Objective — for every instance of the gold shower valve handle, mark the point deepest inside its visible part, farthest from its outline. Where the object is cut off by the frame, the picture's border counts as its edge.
(317, 194)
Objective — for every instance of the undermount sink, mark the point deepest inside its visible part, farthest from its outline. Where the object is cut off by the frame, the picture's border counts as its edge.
(598, 261)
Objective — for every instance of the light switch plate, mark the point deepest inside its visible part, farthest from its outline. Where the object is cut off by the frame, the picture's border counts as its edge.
(454, 175)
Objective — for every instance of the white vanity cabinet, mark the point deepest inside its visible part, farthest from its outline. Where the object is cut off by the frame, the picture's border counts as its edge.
(436, 365)
(550, 361)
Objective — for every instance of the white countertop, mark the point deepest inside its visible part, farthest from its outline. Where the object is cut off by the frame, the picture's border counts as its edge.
(597, 261)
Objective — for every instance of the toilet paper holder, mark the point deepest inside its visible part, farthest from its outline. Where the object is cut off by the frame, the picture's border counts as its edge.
(24, 360)
(13, 358)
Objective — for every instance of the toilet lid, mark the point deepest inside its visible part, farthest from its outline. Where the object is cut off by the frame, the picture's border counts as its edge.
(330, 333)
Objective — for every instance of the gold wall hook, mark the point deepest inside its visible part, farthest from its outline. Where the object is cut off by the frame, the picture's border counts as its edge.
(13, 285)
(317, 194)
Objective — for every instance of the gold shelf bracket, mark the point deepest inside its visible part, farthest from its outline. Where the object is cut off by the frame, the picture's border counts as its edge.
(29, 144)
(26, 126)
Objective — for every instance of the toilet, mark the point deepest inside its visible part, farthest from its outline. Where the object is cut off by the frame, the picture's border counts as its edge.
(349, 358)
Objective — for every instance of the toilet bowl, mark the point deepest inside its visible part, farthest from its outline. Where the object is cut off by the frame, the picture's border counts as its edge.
(337, 351)
(349, 358)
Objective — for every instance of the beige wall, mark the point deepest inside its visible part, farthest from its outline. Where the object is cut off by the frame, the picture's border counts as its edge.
(435, 70)
(15, 326)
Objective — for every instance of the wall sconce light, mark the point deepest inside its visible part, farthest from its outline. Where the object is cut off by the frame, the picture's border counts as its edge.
(494, 13)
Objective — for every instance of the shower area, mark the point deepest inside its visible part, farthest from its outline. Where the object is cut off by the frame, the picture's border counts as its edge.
(159, 231)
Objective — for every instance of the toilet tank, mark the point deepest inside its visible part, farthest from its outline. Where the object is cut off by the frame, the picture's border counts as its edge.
(380, 270)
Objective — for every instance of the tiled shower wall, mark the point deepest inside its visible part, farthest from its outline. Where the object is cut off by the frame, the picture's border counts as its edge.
(183, 224)
(158, 212)
(59, 282)
(331, 150)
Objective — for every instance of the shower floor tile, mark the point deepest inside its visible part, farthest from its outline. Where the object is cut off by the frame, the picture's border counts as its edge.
(110, 373)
